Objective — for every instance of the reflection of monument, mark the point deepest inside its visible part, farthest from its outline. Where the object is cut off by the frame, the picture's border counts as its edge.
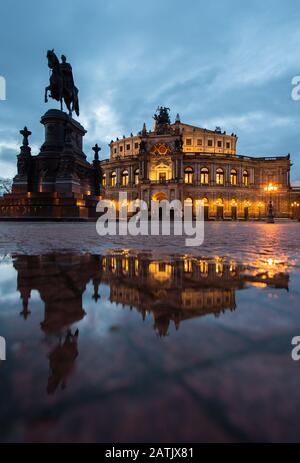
(61, 281)
(62, 361)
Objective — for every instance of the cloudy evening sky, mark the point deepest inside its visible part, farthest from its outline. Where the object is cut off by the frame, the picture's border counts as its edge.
(226, 63)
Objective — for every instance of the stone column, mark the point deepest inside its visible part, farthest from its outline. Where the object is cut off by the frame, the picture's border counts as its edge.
(212, 174)
(145, 169)
(141, 165)
(22, 182)
(118, 173)
(173, 168)
(130, 180)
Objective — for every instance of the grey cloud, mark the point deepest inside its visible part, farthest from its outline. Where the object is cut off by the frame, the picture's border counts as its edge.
(225, 61)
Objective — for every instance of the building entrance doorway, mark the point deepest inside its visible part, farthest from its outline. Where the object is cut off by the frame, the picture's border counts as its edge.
(161, 196)
(206, 213)
(220, 213)
(246, 213)
(233, 212)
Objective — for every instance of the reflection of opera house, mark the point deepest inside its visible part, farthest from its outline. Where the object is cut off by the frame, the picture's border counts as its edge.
(171, 290)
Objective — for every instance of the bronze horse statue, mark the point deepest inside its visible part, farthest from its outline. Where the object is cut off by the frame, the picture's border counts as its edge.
(62, 87)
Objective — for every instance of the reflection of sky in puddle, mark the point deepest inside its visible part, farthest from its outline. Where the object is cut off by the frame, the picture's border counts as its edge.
(166, 328)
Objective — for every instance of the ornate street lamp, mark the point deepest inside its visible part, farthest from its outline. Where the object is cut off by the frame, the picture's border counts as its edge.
(295, 210)
(270, 189)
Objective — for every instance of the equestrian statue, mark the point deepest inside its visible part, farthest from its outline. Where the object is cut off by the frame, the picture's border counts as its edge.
(62, 87)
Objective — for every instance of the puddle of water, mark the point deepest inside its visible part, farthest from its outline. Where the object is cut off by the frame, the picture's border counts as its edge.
(129, 346)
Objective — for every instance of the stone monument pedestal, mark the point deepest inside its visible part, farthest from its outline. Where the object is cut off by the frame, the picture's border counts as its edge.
(57, 184)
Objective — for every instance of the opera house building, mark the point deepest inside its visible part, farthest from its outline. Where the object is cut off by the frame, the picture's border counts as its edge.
(181, 161)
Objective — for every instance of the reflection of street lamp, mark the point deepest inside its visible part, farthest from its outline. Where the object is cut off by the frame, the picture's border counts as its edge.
(270, 189)
(295, 208)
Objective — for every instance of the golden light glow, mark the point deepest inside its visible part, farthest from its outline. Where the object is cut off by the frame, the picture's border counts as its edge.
(232, 269)
(136, 266)
(113, 264)
(160, 271)
(295, 204)
(159, 196)
(124, 264)
(113, 179)
(219, 267)
(257, 284)
(219, 202)
(188, 175)
(161, 172)
(188, 266)
(271, 267)
(270, 188)
(203, 267)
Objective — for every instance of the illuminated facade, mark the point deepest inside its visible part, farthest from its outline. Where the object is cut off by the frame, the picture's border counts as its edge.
(171, 161)
(185, 162)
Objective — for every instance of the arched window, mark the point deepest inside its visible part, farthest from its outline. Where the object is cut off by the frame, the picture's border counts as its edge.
(233, 177)
(113, 178)
(137, 176)
(125, 177)
(204, 176)
(245, 178)
(188, 175)
(220, 176)
(104, 180)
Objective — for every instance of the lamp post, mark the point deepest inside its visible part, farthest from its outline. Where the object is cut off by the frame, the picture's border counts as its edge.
(270, 189)
(295, 210)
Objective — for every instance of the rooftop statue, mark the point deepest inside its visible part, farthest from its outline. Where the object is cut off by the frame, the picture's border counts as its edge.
(62, 87)
(162, 115)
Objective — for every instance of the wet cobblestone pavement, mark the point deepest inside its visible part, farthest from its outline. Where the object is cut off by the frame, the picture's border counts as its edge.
(124, 339)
